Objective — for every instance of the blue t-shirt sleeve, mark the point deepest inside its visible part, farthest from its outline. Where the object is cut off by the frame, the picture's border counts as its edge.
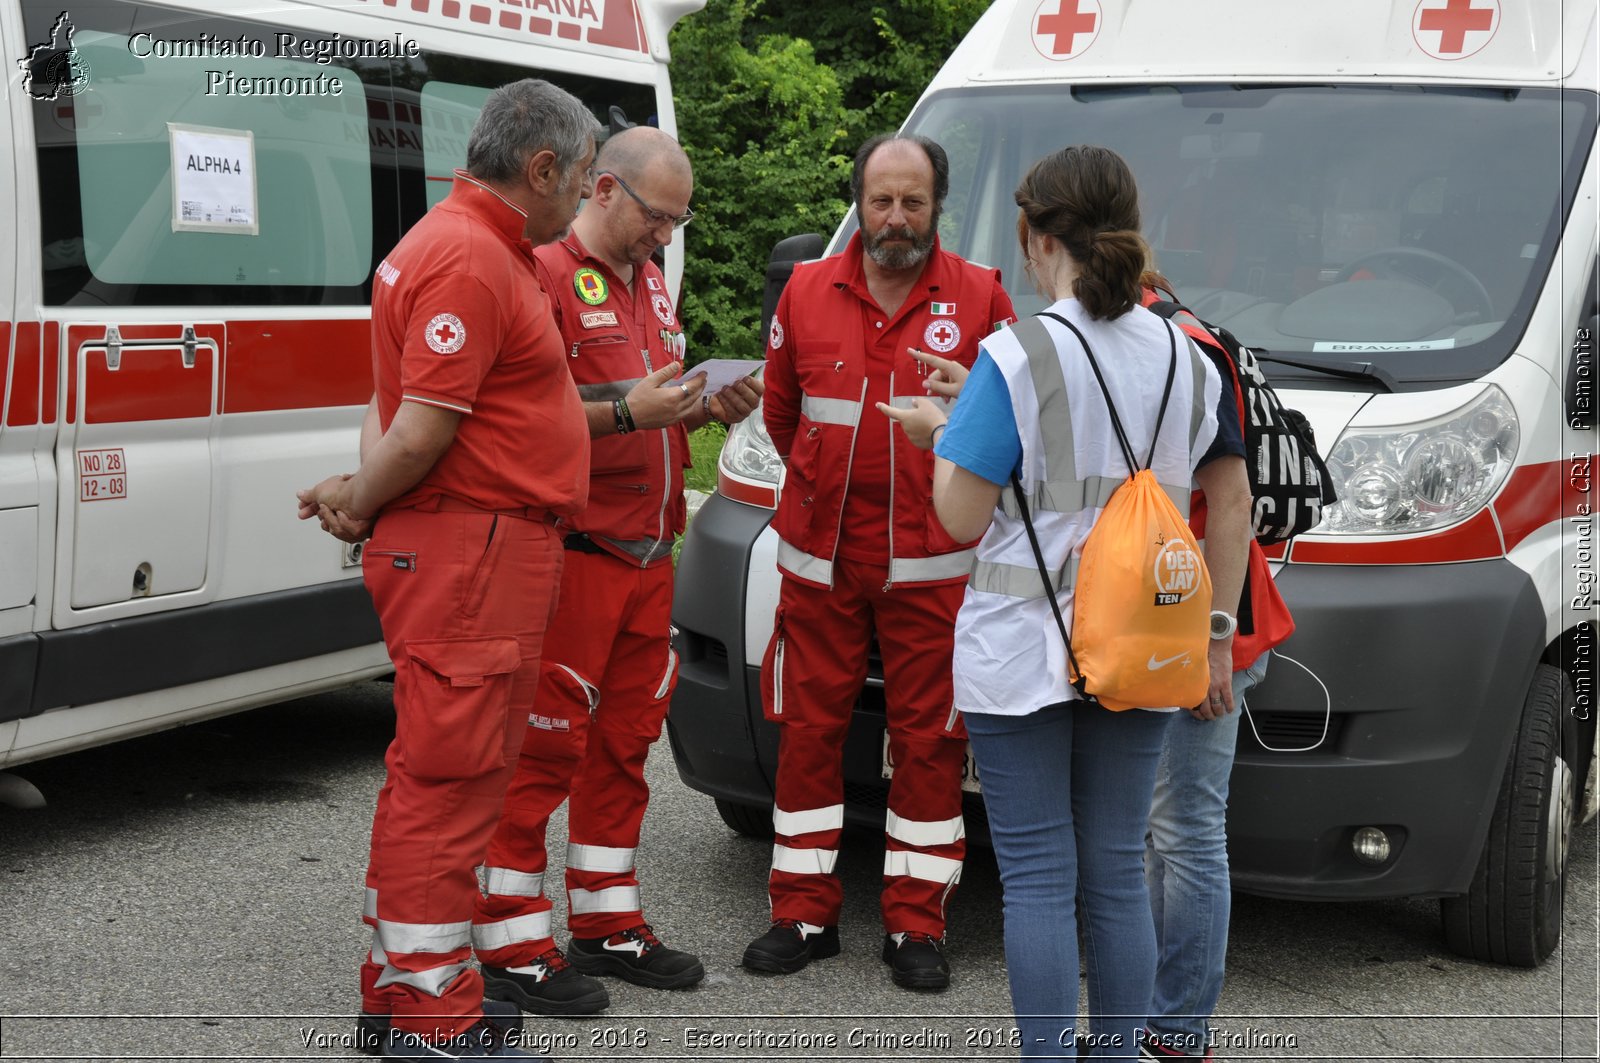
(982, 436)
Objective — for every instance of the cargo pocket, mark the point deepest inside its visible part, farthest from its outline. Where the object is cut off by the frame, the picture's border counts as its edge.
(772, 681)
(453, 725)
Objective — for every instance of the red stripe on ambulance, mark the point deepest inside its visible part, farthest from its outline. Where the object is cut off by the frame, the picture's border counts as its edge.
(294, 365)
(25, 376)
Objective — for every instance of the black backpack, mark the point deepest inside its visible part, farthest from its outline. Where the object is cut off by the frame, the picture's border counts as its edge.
(1289, 484)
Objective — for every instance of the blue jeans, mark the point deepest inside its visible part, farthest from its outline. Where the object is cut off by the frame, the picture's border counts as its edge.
(1187, 869)
(1067, 790)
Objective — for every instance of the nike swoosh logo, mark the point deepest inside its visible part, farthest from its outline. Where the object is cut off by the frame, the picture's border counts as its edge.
(1154, 664)
(635, 947)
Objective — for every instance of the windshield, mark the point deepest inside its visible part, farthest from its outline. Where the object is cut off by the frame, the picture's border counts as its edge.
(1405, 226)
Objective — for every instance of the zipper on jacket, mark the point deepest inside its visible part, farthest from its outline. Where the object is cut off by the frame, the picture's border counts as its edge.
(950, 724)
(406, 559)
(888, 575)
(666, 470)
(838, 527)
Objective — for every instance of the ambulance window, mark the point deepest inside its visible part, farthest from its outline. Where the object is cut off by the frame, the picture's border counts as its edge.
(151, 130)
(452, 93)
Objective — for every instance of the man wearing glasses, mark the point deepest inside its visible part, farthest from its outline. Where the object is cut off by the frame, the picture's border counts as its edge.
(609, 668)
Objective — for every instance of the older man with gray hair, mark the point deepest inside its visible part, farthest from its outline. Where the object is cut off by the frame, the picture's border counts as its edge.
(464, 564)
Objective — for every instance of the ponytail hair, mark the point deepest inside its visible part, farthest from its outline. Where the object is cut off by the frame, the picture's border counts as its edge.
(1086, 198)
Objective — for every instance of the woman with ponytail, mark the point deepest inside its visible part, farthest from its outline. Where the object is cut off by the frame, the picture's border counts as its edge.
(1067, 784)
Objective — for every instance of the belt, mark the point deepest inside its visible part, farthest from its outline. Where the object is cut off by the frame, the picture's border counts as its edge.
(446, 504)
(581, 542)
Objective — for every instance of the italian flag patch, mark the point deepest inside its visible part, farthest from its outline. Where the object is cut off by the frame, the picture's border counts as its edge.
(942, 309)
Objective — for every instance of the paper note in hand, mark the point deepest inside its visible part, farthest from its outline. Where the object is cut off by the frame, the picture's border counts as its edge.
(720, 372)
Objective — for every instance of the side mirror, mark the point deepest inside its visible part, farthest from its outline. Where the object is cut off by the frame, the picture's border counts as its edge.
(1580, 376)
(786, 254)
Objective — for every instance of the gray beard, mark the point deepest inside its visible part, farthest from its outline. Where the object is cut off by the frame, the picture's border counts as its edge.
(898, 258)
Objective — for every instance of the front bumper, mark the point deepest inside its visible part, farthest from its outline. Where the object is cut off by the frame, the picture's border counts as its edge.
(1426, 668)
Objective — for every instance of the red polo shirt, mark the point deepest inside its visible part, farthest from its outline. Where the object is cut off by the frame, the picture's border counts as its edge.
(459, 321)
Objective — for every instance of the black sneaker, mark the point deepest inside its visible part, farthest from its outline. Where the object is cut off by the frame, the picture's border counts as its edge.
(549, 986)
(1156, 1047)
(480, 1040)
(790, 945)
(917, 960)
(372, 1028)
(636, 955)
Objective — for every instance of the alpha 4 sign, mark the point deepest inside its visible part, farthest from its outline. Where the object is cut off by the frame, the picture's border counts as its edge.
(213, 180)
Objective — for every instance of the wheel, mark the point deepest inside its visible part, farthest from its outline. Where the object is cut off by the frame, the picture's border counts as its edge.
(1431, 270)
(1511, 914)
(749, 820)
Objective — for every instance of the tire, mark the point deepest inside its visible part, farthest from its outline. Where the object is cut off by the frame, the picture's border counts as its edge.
(1511, 914)
(748, 820)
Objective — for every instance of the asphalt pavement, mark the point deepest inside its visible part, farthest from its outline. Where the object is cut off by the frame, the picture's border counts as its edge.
(196, 894)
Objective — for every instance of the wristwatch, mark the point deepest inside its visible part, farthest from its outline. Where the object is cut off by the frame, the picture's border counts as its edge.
(1222, 625)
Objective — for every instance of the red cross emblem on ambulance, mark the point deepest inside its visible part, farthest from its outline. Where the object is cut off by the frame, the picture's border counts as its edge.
(942, 335)
(1454, 29)
(1064, 29)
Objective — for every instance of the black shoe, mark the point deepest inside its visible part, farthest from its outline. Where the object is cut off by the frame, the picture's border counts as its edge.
(790, 945)
(372, 1028)
(917, 959)
(484, 1038)
(636, 955)
(550, 985)
(1155, 1048)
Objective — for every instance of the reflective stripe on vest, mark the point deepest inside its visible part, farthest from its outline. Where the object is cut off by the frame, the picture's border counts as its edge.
(598, 858)
(796, 561)
(804, 861)
(501, 933)
(806, 566)
(925, 831)
(830, 411)
(807, 821)
(369, 907)
(926, 569)
(375, 952)
(504, 882)
(612, 899)
(1015, 581)
(940, 869)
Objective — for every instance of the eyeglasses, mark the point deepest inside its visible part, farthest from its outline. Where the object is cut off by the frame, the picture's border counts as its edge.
(652, 215)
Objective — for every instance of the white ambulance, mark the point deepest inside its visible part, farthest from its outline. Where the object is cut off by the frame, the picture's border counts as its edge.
(193, 198)
(1397, 199)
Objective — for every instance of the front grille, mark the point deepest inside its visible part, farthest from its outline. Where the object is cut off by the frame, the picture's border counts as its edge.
(1284, 732)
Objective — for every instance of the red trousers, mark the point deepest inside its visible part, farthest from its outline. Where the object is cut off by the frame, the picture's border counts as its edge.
(811, 676)
(604, 688)
(464, 599)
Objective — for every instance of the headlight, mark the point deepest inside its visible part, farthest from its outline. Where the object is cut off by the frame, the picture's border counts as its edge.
(749, 469)
(1422, 477)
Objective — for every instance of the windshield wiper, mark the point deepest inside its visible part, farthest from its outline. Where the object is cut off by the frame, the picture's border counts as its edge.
(1349, 370)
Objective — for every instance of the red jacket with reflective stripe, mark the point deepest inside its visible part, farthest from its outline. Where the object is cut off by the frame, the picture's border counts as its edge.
(816, 380)
(614, 336)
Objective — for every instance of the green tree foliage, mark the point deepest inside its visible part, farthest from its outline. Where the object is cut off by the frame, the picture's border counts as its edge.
(772, 99)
